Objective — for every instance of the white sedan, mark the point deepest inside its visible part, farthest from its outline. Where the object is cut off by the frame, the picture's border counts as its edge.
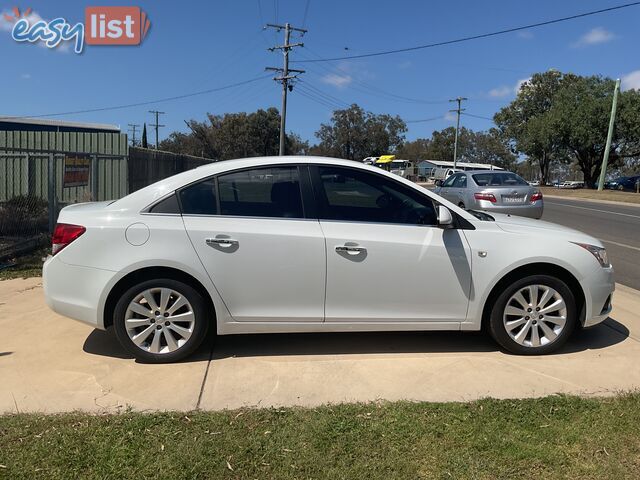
(306, 244)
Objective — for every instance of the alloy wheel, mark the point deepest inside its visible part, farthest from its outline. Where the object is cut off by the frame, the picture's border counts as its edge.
(159, 320)
(535, 315)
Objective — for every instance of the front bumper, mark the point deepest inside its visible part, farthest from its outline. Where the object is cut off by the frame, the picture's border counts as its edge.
(75, 291)
(599, 290)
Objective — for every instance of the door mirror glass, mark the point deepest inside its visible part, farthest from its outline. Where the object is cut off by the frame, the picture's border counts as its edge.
(444, 216)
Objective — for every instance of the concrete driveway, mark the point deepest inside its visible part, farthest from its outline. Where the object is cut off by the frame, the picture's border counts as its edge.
(52, 364)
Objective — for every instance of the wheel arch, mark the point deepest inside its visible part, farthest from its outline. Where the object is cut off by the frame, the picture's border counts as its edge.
(539, 268)
(150, 273)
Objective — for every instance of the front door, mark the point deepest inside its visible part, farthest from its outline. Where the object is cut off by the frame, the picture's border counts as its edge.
(387, 261)
(265, 258)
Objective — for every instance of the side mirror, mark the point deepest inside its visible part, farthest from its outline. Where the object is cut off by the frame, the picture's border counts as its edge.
(438, 183)
(444, 216)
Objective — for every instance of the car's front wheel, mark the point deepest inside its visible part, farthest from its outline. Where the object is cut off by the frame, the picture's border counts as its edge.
(534, 315)
(160, 321)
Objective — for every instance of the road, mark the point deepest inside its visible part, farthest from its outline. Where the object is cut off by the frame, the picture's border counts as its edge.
(617, 226)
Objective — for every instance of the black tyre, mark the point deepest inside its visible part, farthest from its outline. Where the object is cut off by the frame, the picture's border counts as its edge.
(534, 315)
(161, 321)
(461, 205)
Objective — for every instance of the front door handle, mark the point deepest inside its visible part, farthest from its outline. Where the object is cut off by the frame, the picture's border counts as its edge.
(223, 242)
(351, 250)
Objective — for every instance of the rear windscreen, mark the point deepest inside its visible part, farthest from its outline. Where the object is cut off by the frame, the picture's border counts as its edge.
(498, 179)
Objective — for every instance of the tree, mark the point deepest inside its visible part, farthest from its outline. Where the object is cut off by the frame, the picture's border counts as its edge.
(144, 136)
(560, 117)
(580, 117)
(355, 134)
(526, 121)
(234, 135)
(482, 147)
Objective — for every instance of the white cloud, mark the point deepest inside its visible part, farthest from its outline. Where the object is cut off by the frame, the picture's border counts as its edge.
(631, 81)
(406, 64)
(500, 92)
(525, 34)
(519, 84)
(450, 117)
(25, 76)
(337, 80)
(595, 36)
(506, 90)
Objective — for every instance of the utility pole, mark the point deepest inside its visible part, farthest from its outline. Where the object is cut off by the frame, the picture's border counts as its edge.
(157, 125)
(612, 119)
(133, 127)
(459, 110)
(285, 72)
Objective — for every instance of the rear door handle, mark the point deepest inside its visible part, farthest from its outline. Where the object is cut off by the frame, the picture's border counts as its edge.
(351, 250)
(223, 242)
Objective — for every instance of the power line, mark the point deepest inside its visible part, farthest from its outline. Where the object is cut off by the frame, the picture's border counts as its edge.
(371, 89)
(439, 117)
(474, 37)
(306, 11)
(477, 116)
(148, 102)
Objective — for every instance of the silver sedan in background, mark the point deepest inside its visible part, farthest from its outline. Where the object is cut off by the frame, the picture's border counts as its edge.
(493, 192)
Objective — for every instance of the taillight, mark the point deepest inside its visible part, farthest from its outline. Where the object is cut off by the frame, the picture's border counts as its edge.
(535, 197)
(63, 235)
(490, 197)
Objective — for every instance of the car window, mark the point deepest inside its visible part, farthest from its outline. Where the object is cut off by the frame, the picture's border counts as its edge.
(449, 181)
(261, 192)
(461, 181)
(498, 179)
(199, 198)
(353, 195)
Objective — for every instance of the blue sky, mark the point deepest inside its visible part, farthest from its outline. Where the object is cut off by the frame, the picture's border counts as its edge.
(194, 46)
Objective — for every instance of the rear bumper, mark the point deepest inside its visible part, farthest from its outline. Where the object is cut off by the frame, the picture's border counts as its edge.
(75, 291)
(529, 210)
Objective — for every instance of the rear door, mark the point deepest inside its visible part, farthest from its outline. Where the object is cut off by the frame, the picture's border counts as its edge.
(260, 242)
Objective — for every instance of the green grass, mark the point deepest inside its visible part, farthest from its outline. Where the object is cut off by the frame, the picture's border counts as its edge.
(29, 265)
(553, 437)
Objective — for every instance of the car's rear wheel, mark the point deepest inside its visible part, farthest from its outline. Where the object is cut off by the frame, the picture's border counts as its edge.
(160, 321)
(534, 315)
(461, 205)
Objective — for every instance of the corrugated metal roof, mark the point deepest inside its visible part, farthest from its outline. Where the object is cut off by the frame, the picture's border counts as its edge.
(60, 123)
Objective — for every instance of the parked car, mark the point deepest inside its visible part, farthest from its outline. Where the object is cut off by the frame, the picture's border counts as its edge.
(534, 183)
(495, 191)
(625, 183)
(303, 244)
(572, 185)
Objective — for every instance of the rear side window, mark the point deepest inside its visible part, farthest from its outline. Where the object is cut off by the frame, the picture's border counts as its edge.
(168, 205)
(199, 198)
(498, 179)
(261, 192)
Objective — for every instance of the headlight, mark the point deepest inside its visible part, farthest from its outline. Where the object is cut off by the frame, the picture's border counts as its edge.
(599, 252)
